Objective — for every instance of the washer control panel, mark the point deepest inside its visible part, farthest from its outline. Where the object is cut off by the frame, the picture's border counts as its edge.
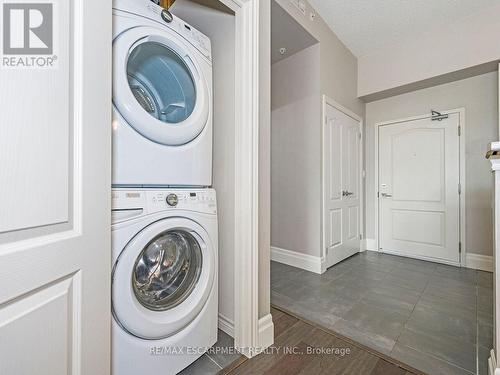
(154, 200)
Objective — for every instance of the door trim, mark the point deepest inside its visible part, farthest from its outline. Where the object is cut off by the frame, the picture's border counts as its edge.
(249, 335)
(327, 100)
(461, 121)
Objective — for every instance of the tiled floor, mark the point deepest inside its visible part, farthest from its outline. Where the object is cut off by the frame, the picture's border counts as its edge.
(221, 356)
(305, 359)
(436, 318)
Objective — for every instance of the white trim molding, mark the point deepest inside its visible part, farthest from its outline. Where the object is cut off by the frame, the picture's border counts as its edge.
(266, 331)
(479, 262)
(226, 325)
(296, 259)
(492, 364)
(246, 207)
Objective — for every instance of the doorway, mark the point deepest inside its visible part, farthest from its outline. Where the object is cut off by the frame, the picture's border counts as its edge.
(419, 187)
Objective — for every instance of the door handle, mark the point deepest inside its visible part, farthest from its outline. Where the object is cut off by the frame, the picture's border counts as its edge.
(385, 195)
(346, 193)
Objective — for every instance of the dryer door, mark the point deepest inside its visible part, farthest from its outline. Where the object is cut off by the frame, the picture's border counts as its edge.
(158, 85)
(163, 278)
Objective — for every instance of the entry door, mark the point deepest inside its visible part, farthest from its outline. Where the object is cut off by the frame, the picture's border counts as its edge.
(419, 175)
(55, 137)
(341, 221)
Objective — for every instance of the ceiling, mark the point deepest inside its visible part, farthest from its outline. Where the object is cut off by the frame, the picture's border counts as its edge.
(365, 26)
(287, 33)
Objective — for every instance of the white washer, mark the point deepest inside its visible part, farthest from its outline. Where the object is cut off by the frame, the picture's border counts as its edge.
(162, 98)
(164, 282)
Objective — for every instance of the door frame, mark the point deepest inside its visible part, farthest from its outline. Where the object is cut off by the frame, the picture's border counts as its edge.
(461, 121)
(327, 100)
(251, 334)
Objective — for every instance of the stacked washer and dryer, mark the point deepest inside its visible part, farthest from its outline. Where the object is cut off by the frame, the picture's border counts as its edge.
(164, 219)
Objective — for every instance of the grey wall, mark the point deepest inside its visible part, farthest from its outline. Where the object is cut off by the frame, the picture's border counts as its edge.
(296, 152)
(478, 95)
(219, 26)
(338, 66)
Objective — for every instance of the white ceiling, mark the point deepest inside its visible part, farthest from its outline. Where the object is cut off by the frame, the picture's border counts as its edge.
(365, 26)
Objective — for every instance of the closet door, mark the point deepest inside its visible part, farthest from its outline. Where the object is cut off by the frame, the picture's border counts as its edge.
(55, 178)
(341, 186)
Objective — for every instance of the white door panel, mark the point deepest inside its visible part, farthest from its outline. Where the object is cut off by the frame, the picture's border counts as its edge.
(341, 148)
(55, 170)
(419, 175)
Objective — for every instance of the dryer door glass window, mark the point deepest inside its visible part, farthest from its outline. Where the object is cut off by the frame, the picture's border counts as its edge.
(161, 82)
(167, 270)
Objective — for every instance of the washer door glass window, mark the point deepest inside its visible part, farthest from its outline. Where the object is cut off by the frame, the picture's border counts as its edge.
(161, 82)
(167, 270)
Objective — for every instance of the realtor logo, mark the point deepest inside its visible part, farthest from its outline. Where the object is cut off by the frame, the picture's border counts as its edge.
(28, 35)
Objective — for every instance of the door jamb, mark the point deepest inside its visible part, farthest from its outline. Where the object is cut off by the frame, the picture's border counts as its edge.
(327, 100)
(462, 213)
(251, 334)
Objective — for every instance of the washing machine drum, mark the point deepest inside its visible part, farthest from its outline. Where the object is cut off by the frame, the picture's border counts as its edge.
(158, 86)
(163, 278)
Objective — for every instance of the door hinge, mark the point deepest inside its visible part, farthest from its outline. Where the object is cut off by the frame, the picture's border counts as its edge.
(378, 194)
(460, 247)
(359, 135)
(459, 130)
(459, 188)
(360, 236)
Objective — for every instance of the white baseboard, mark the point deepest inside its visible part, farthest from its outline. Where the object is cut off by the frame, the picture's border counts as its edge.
(368, 244)
(296, 259)
(266, 331)
(226, 325)
(479, 262)
(492, 364)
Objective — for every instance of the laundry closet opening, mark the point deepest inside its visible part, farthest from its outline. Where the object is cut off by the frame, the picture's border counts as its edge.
(215, 20)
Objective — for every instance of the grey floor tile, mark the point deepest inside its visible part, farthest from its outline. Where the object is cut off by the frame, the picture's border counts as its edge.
(317, 313)
(202, 366)
(425, 362)
(390, 303)
(461, 302)
(443, 347)
(485, 279)
(484, 334)
(378, 342)
(372, 319)
(456, 273)
(396, 291)
(445, 308)
(412, 282)
(433, 317)
(439, 291)
(427, 268)
(485, 299)
(223, 352)
(431, 320)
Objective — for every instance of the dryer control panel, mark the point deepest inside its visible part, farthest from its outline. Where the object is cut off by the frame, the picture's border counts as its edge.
(155, 200)
(188, 32)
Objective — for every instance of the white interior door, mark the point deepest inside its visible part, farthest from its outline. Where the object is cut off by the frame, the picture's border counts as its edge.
(55, 137)
(419, 202)
(341, 190)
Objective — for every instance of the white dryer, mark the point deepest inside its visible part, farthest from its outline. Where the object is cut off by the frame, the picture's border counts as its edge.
(162, 98)
(164, 281)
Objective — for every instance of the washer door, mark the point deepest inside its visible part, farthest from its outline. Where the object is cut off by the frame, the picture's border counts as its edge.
(162, 278)
(158, 87)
